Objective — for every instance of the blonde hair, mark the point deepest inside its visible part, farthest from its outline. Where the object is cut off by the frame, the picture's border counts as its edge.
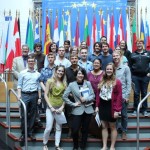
(53, 80)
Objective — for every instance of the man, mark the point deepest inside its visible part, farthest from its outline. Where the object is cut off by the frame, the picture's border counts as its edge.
(19, 64)
(29, 91)
(83, 62)
(97, 51)
(39, 56)
(60, 58)
(105, 57)
(47, 73)
(140, 70)
(67, 49)
(124, 75)
(103, 39)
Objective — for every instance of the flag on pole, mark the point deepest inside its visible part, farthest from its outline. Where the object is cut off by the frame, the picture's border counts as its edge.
(69, 29)
(77, 34)
(147, 34)
(47, 39)
(134, 37)
(86, 32)
(102, 32)
(36, 32)
(10, 45)
(94, 36)
(128, 34)
(29, 35)
(120, 29)
(56, 32)
(17, 40)
(108, 27)
(112, 33)
(61, 40)
(142, 37)
(4, 35)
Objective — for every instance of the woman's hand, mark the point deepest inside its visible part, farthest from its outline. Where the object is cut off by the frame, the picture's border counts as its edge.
(96, 109)
(82, 99)
(53, 109)
(77, 104)
(116, 114)
(59, 110)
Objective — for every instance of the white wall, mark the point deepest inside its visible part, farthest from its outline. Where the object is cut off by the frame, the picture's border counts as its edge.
(20, 5)
(142, 4)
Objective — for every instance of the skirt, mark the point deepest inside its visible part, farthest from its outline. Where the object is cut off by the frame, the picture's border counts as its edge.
(105, 112)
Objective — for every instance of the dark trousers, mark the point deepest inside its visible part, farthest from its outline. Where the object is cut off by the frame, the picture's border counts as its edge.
(80, 122)
(141, 86)
(30, 101)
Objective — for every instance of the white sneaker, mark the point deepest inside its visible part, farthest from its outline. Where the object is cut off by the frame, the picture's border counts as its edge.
(134, 113)
(45, 147)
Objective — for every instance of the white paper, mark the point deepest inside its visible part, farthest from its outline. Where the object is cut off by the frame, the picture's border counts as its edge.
(60, 118)
(97, 118)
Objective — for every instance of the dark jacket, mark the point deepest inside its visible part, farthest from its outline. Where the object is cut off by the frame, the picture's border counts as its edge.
(140, 63)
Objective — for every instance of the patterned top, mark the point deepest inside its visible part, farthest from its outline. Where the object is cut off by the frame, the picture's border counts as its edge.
(106, 92)
(56, 93)
(46, 73)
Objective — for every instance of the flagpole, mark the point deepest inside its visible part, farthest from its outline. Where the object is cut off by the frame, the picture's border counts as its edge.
(137, 23)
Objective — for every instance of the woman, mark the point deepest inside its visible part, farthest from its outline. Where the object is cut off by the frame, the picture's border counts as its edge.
(124, 60)
(52, 48)
(95, 76)
(109, 101)
(82, 108)
(55, 88)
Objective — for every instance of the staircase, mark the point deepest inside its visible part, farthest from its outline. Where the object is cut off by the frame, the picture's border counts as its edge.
(12, 139)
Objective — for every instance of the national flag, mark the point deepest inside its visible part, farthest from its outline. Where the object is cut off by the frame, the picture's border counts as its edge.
(4, 35)
(94, 36)
(128, 34)
(112, 33)
(61, 40)
(69, 29)
(29, 36)
(147, 34)
(27, 30)
(120, 30)
(102, 22)
(108, 27)
(56, 32)
(86, 31)
(10, 45)
(17, 40)
(134, 37)
(142, 30)
(77, 34)
(36, 32)
(47, 39)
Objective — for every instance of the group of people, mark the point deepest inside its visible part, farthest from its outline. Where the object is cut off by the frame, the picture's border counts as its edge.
(70, 81)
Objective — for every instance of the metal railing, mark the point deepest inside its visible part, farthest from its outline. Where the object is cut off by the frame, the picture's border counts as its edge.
(25, 116)
(138, 118)
(6, 99)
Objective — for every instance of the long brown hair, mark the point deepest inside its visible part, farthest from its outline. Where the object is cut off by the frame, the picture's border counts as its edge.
(105, 78)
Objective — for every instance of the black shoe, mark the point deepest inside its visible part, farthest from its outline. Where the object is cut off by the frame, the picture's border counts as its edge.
(22, 138)
(32, 137)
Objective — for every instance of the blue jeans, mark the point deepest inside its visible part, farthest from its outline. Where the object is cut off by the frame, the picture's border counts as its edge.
(30, 101)
(124, 118)
(141, 87)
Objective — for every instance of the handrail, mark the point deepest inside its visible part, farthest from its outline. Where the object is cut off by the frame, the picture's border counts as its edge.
(138, 118)
(6, 99)
(25, 115)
